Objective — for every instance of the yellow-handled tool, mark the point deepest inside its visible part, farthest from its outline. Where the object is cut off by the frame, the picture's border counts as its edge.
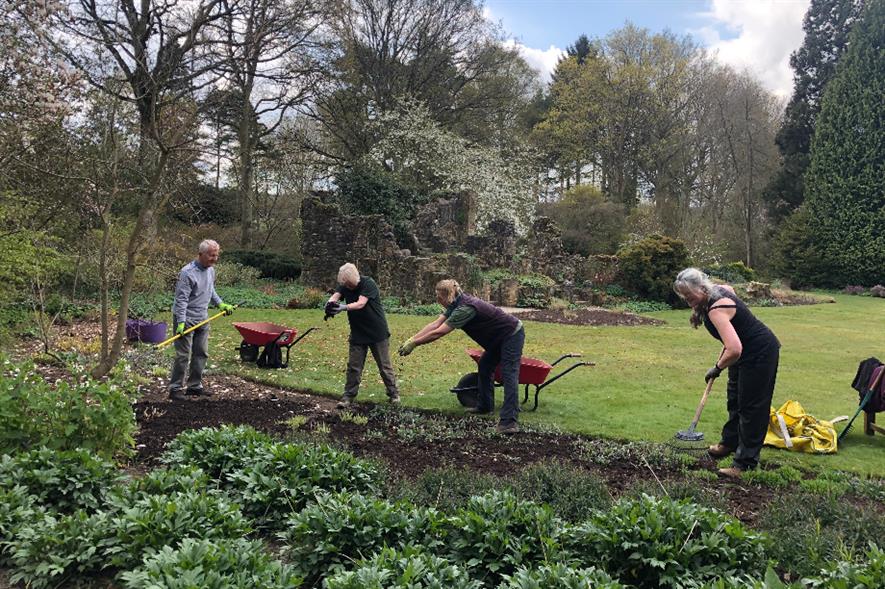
(163, 344)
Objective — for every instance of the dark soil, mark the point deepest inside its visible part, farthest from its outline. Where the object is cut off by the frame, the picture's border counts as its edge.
(587, 317)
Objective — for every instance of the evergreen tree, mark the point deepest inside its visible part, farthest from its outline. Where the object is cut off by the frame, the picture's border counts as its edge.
(827, 25)
(845, 182)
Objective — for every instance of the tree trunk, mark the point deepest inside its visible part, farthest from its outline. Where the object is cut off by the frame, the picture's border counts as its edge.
(246, 173)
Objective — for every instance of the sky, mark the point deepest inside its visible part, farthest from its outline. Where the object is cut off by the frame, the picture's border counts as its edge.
(754, 35)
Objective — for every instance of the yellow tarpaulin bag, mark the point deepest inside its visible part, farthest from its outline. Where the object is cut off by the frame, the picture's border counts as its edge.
(791, 428)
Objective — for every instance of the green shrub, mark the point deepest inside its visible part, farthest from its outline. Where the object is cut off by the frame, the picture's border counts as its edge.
(559, 576)
(446, 489)
(733, 272)
(572, 493)
(63, 482)
(211, 564)
(55, 551)
(270, 264)
(650, 542)
(217, 451)
(639, 307)
(865, 573)
(282, 481)
(162, 481)
(310, 298)
(17, 508)
(497, 533)
(81, 413)
(340, 528)
(155, 521)
(650, 265)
(229, 273)
(403, 569)
(395, 305)
(819, 529)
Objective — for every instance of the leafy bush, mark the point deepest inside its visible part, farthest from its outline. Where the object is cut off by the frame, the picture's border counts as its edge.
(854, 290)
(572, 493)
(559, 576)
(651, 542)
(640, 307)
(17, 508)
(284, 479)
(403, 569)
(819, 527)
(211, 564)
(236, 274)
(590, 223)
(311, 298)
(163, 481)
(340, 528)
(734, 272)
(497, 533)
(395, 305)
(85, 413)
(270, 264)
(63, 481)
(217, 451)
(650, 265)
(878, 291)
(446, 489)
(867, 573)
(54, 551)
(156, 521)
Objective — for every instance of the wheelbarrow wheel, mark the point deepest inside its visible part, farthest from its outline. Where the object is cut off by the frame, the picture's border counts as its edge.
(467, 390)
(248, 352)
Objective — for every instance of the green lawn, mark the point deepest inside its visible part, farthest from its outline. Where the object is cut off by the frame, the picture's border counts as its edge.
(646, 383)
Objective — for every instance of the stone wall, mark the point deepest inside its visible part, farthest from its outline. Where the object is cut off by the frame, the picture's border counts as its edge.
(445, 224)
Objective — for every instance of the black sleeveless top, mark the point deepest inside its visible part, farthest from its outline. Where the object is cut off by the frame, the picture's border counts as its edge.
(757, 340)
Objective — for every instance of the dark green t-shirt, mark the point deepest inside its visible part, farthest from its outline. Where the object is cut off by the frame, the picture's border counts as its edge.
(367, 325)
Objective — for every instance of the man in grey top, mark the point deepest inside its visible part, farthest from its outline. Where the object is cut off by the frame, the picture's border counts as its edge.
(193, 293)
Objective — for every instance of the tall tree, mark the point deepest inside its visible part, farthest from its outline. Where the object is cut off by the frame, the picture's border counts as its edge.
(827, 25)
(273, 64)
(154, 57)
(846, 176)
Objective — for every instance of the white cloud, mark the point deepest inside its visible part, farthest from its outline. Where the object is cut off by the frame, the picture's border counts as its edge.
(542, 60)
(767, 32)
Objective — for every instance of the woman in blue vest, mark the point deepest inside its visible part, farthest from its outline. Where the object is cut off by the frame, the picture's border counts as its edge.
(501, 336)
(750, 352)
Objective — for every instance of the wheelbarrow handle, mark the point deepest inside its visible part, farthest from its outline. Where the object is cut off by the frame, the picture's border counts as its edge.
(564, 357)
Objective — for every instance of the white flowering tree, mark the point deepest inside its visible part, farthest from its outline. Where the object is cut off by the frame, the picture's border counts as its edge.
(433, 160)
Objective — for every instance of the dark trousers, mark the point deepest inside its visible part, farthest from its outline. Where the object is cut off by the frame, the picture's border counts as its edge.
(193, 350)
(509, 356)
(750, 389)
(356, 361)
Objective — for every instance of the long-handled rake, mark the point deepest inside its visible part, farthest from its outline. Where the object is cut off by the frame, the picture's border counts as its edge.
(691, 434)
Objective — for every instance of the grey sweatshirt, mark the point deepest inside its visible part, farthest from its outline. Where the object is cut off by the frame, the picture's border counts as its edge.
(193, 293)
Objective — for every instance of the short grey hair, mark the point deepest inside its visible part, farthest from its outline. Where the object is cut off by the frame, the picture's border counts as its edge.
(348, 273)
(208, 244)
(693, 279)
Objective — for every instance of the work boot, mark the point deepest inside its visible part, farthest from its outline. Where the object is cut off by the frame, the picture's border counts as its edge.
(201, 392)
(732, 472)
(507, 428)
(344, 403)
(719, 451)
(177, 395)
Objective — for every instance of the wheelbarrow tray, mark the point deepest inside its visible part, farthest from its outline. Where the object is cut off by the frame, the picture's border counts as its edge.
(261, 333)
(531, 370)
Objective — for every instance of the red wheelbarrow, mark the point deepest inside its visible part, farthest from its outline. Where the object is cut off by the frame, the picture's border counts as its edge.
(260, 333)
(532, 372)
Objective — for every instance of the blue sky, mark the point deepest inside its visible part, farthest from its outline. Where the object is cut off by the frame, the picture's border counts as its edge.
(757, 35)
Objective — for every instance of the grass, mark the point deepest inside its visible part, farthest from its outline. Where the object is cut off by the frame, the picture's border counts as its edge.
(646, 383)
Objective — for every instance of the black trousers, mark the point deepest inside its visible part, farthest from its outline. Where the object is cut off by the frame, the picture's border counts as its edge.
(750, 389)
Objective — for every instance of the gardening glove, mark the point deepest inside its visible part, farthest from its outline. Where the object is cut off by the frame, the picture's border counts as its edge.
(179, 328)
(406, 348)
(713, 373)
(228, 309)
(341, 307)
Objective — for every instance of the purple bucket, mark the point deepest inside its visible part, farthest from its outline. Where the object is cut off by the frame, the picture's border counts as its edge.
(146, 331)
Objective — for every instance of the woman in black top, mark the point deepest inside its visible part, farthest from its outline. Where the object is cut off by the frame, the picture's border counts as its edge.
(750, 352)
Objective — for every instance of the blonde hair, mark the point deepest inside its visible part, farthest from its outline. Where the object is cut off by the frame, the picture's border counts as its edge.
(694, 279)
(449, 290)
(348, 273)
